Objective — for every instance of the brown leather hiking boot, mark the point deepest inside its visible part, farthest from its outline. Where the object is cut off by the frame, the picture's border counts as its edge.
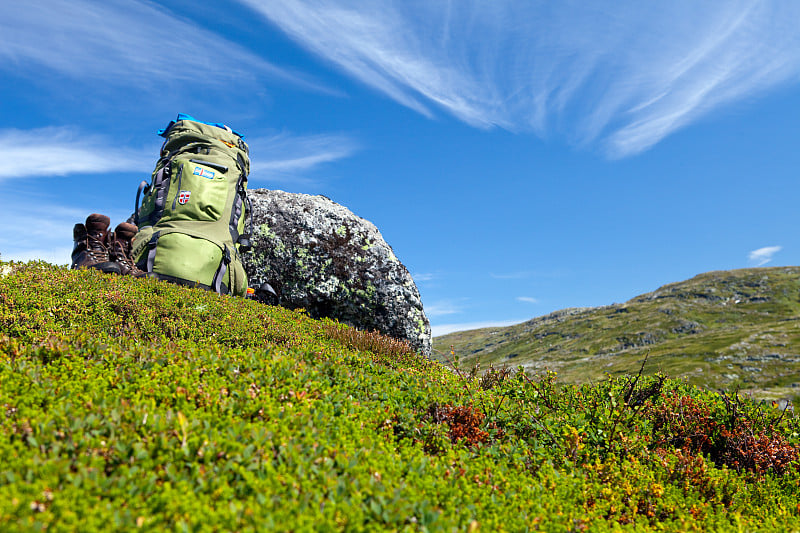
(90, 249)
(119, 249)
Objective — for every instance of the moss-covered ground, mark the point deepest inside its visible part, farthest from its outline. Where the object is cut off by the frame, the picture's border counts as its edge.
(134, 404)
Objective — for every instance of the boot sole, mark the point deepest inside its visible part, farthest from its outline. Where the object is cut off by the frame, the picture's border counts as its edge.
(109, 267)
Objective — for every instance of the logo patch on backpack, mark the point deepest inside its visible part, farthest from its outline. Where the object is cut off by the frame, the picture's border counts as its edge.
(204, 172)
(183, 197)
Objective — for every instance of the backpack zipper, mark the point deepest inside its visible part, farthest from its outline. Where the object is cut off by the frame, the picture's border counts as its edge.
(215, 166)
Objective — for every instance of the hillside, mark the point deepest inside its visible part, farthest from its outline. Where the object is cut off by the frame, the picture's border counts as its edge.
(720, 330)
(134, 404)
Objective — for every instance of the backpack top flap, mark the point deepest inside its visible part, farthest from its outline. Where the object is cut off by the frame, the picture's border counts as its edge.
(187, 133)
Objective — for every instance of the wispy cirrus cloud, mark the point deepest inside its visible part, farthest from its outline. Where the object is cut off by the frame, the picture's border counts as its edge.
(285, 157)
(61, 151)
(131, 43)
(762, 256)
(527, 300)
(621, 76)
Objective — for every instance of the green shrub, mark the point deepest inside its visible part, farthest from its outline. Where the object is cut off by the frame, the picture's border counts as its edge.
(137, 404)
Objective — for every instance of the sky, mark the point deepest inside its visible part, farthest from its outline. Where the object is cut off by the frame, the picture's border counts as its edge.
(520, 156)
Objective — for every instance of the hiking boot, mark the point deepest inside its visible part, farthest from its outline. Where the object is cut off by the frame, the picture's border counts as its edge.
(119, 249)
(90, 250)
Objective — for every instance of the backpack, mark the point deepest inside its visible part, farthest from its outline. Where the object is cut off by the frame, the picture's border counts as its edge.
(192, 216)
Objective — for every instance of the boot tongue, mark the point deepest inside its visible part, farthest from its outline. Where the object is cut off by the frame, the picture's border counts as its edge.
(97, 223)
(126, 231)
(79, 232)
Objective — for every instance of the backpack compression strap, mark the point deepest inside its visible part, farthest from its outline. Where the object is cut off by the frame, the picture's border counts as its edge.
(220, 274)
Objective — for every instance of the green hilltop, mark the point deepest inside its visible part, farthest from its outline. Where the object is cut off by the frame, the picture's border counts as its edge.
(722, 330)
(139, 405)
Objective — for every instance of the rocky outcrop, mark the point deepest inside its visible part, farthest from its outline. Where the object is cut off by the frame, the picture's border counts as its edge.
(321, 257)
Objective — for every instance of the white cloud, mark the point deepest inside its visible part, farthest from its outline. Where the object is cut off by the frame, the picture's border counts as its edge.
(762, 256)
(442, 308)
(527, 299)
(443, 329)
(421, 277)
(621, 76)
(133, 43)
(283, 157)
(63, 151)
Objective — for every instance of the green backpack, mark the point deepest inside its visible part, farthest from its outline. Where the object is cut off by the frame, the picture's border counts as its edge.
(192, 216)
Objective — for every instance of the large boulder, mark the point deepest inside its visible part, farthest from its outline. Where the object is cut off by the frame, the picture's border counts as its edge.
(321, 257)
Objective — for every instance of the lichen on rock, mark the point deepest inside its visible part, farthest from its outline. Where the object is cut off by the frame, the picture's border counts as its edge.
(321, 257)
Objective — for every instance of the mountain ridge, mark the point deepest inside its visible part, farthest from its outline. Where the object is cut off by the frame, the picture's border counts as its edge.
(719, 329)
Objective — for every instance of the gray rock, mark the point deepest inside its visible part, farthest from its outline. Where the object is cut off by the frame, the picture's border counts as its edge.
(321, 257)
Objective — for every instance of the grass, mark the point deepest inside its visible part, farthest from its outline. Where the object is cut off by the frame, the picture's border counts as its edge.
(135, 404)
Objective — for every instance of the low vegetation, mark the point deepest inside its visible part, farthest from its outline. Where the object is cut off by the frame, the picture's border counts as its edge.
(132, 404)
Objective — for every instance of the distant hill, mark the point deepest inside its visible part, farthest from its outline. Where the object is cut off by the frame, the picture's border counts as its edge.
(719, 330)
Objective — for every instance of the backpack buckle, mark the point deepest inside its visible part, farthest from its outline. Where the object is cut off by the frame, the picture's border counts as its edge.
(244, 244)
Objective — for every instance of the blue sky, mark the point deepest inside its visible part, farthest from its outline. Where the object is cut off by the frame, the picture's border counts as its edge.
(519, 156)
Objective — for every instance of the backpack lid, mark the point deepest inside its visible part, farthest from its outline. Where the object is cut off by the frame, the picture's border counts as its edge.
(164, 132)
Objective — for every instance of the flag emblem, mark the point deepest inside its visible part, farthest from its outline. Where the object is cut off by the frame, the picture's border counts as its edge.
(204, 172)
(184, 196)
